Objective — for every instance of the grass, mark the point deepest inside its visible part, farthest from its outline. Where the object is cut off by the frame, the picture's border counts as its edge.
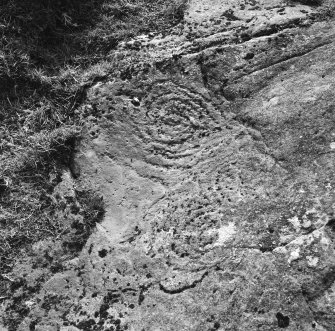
(48, 49)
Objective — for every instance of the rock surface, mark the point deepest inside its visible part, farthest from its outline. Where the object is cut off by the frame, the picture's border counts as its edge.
(213, 148)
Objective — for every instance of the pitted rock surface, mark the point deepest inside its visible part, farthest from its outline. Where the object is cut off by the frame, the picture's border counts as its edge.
(213, 149)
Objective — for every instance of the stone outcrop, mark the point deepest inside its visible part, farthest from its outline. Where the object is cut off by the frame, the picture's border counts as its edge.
(213, 149)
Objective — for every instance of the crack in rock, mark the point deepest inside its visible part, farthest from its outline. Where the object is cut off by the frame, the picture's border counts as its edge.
(179, 290)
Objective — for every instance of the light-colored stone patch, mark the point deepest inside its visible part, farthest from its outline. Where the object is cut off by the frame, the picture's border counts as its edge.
(325, 242)
(280, 250)
(305, 221)
(312, 261)
(225, 233)
(295, 255)
(295, 222)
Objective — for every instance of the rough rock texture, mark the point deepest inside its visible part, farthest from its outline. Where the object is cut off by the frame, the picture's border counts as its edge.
(213, 148)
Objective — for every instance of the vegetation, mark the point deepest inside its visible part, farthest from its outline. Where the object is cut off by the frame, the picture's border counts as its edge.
(48, 49)
(46, 46)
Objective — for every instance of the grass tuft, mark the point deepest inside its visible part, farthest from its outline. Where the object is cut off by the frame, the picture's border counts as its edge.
(49, 51)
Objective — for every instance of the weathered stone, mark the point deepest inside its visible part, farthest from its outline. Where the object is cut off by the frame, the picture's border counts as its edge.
(213, 148)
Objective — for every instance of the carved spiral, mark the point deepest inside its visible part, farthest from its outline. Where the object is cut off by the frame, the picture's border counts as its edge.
(176, 116)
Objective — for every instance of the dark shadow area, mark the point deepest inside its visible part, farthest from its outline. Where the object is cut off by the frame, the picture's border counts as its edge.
(45, 44)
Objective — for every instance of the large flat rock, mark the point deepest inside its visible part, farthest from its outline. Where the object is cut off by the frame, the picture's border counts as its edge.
(213, 148)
